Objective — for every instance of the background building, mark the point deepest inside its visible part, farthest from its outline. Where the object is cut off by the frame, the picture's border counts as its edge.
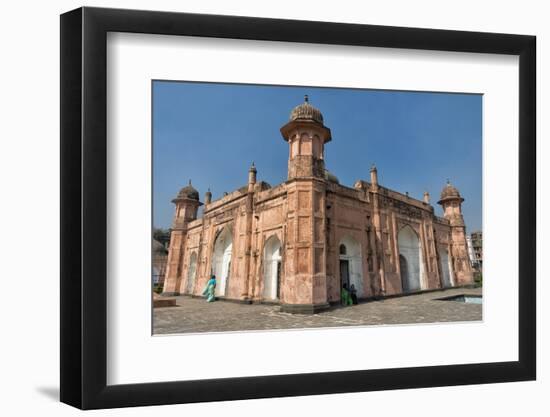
(477, 250)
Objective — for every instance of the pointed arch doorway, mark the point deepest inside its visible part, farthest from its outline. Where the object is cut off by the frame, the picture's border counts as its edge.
(272, 269)
(221, 261)
(446, 272)
(410, 259)
(351, 266)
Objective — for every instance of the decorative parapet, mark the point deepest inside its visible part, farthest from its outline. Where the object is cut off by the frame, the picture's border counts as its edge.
(194, 224)
(267, 194)
(441, 220)
(229, 198)
(396, 195)
(344, 190)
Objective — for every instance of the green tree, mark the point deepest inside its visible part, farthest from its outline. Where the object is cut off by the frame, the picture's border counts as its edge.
(162, 235)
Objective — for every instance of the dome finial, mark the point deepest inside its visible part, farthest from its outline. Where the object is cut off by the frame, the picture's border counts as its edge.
(448, 181)
(305, 111)
(190, 181)
(208, 197)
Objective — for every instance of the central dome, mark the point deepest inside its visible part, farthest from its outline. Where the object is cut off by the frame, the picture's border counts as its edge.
(306, 111)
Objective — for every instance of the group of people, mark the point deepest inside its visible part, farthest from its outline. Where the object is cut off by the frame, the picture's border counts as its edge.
(348, 296)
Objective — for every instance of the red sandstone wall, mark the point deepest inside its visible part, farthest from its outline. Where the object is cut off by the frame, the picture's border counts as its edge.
(311, 218)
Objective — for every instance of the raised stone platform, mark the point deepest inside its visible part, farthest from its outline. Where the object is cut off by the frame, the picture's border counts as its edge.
(159, 301)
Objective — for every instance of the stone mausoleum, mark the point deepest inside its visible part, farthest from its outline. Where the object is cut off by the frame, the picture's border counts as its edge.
(297, 243)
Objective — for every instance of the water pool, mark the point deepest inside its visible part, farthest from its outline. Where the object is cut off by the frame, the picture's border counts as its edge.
(464, 298)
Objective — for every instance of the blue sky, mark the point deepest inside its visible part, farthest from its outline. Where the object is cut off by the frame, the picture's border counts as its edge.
(211, 133)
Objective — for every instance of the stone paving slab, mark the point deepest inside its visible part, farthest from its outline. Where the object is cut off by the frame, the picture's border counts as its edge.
(194, 315)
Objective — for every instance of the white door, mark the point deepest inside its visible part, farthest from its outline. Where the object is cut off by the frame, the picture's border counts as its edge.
(192, 273)
(221, 261)
(445, 268)
(272, 259)
(409, 249)
(221, 286)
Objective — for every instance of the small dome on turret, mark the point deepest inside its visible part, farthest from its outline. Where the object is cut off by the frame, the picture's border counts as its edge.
(329, 176)
(306, 111)
(450, 192)
(188, 192)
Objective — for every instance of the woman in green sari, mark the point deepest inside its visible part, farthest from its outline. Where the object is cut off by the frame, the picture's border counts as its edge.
(345, 296)
(210, 289)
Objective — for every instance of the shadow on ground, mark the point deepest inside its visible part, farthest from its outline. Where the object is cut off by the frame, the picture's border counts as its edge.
(50, 392)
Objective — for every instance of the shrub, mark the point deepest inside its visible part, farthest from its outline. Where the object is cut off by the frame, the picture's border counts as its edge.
(478, 279)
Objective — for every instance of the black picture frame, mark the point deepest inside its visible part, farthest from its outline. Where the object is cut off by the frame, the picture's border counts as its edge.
(84, 207)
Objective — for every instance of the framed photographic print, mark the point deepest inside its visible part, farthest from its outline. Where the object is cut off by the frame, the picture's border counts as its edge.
(257, 208)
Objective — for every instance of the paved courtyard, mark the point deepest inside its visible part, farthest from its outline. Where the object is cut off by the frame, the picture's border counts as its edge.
(194, 315)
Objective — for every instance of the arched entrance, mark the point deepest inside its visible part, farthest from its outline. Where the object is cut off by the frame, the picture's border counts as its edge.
(221, 260)
(351, 266)
(410, 259)
(272, 269)
(192, 272)
(446, 275)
